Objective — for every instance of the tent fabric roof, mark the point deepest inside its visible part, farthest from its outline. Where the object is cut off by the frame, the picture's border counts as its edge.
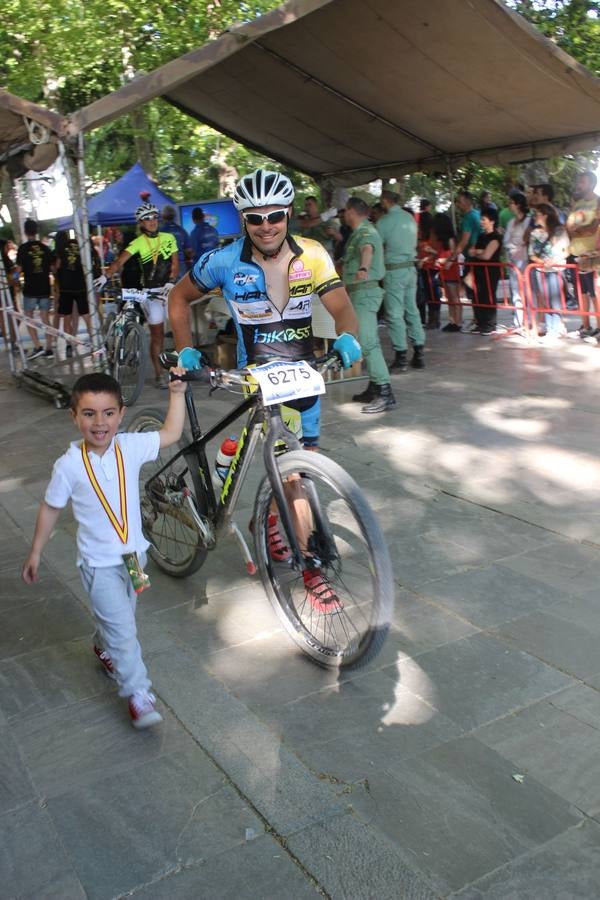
(116, 204)
(351, 90)
(16, 144)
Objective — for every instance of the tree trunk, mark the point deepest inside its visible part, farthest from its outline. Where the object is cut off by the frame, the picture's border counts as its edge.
(143, 148)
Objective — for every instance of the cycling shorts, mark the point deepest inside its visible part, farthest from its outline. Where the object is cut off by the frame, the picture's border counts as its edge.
(154, 310)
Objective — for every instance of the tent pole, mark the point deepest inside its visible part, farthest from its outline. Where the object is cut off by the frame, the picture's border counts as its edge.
(450, 173)
(100, 245)
(76, 183)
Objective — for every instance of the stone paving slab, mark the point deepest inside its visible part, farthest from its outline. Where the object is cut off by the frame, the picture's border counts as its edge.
(169, 812)
(257, 870)
(566, 868)
(477, 679)
(42, 623)
(459, 812)
(556, 742)
(351, 860)
(566, 646)
(33, 860)
(492, 595)
(50, 678)
(69, 748)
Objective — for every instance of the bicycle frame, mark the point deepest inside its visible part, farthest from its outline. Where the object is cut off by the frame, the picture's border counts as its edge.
(221, 510)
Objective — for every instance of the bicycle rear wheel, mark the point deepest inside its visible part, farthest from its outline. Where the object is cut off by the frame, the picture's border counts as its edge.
(171, 503)
(346, 545)
(130, 360)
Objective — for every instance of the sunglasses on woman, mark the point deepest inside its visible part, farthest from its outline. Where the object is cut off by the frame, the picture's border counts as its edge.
(273, 218)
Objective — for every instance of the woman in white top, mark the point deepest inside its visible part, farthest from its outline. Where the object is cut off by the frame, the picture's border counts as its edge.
(548, 249)
(516, 251)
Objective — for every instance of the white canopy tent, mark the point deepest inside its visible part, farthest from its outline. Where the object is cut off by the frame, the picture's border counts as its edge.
(352, 90)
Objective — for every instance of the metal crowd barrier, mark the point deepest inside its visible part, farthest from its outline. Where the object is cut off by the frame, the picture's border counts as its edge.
(529, 294)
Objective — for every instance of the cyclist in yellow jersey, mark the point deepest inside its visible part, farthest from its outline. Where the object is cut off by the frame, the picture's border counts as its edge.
(159, 265)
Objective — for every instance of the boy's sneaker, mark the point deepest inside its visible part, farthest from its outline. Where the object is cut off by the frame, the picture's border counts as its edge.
(278, 549)
(33, 354)
(143, 711)
(320, 594)
(107, 663)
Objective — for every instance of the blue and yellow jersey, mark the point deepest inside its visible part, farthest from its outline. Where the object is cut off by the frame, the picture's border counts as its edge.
(263, 331)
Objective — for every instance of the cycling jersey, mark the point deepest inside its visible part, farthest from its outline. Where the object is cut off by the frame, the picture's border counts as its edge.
(263, 331)
(155, 252)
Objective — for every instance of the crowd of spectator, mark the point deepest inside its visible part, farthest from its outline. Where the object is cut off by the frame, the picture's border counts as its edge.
(563, 245)
(428, 262)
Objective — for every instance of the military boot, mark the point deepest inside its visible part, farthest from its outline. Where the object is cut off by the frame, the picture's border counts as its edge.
(418, 358)
(369, 392)
(383, 400)
(400, 362)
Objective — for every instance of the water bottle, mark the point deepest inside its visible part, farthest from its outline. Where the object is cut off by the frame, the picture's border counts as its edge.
(227, 451)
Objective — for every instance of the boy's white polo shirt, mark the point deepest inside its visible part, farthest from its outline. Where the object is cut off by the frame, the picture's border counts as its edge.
(98, 544)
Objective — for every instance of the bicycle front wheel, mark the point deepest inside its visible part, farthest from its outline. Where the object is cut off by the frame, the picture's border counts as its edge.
(171, 503)
(338, 532)
(130, 359)
(108, 333)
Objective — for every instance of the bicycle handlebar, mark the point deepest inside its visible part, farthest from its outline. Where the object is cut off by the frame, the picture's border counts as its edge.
(144, 293)
(222, 377)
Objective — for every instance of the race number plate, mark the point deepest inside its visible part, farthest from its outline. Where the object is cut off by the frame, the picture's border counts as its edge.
(282, 381)
(132, 295)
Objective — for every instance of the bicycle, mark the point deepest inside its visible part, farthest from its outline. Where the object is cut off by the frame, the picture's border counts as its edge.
(182, 516)
(127, 343)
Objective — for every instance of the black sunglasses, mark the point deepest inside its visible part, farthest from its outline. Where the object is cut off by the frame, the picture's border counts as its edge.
(273, 218)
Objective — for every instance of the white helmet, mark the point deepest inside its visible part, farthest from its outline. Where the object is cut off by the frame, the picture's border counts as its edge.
(263, 188)
(146, 211)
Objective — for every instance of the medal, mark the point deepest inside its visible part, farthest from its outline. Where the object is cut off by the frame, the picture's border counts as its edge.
(139, 579)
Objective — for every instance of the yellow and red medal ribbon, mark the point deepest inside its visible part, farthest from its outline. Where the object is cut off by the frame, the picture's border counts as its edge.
(120, 527)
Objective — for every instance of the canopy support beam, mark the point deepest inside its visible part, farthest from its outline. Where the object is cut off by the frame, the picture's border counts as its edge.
(75, 175)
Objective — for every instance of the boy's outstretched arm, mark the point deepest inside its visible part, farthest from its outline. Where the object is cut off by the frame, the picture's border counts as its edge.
(173, 427)
(46, 520)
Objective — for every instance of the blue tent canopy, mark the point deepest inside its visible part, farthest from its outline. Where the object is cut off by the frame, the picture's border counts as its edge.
(116, 204)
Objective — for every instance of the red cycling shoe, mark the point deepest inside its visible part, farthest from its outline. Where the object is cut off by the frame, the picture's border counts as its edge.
(319, 592)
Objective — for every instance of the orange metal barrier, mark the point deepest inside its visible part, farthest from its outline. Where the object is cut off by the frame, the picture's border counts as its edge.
(489, 286)
(555, 291)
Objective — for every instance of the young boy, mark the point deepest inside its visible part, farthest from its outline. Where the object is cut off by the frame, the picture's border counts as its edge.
(100, 476)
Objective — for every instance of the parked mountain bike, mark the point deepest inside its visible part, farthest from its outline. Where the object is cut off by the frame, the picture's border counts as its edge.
(127, 343)
(338, 535)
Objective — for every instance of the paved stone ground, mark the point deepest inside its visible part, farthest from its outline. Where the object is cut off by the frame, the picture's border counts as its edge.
(274, 779)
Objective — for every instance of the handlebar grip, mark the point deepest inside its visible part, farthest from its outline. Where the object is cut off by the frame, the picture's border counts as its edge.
(200, 375)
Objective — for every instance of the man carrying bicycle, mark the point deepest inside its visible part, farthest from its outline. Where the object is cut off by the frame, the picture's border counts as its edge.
(159, 267)
(268, 278)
